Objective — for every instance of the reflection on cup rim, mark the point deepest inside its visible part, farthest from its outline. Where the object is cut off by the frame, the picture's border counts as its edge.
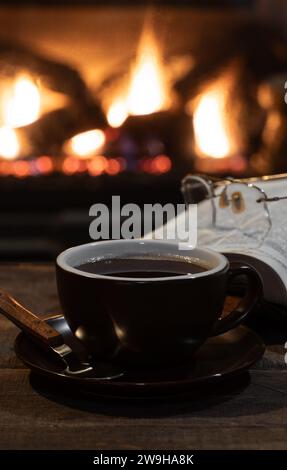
(69, 259)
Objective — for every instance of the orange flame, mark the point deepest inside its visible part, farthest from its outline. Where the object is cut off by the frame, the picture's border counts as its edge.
(147, 90)
(117, 113)
(86, 144)
(20, 106)
(21, 102)
(9, 143)
(211, 121)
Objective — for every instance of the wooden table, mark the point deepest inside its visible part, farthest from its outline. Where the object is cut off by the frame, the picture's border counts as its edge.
(35, 417)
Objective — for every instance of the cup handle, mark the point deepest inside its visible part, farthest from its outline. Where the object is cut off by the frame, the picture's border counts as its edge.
(249, 301)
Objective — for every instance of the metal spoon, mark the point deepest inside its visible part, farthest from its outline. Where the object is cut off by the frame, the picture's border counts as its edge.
(49, 338)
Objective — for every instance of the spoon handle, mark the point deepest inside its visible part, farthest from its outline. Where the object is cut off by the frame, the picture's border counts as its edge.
(27, 321)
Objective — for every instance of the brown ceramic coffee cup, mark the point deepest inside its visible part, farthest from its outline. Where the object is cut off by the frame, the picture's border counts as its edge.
(150, 321)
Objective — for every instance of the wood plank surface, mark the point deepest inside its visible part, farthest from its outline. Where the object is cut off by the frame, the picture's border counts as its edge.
(37, 415)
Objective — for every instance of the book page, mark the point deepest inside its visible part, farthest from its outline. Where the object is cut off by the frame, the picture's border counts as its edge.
(272, 249)
(268, 255)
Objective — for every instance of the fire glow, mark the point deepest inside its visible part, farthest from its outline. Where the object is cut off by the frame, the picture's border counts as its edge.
(147, 88)
(156, 165)
(9, 143)
(42, 165)
(20, 106)
(21, 102)
(212, 132)
(95, 166)
(86, 144)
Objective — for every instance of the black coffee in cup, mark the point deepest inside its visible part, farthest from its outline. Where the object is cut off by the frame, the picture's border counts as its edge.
(145, 266)
(148, 303)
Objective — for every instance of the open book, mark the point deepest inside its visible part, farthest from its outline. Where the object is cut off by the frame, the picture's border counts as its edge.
(270, 257)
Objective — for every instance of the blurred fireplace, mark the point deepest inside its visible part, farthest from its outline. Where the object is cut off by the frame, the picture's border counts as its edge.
(109, 99)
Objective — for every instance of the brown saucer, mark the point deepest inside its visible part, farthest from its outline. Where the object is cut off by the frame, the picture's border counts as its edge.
(219, 358)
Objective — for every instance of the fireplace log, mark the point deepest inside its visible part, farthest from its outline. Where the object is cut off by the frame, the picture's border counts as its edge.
(48, 134)
(260, 48)
(59, 77)
(15, 58)
(164, 132)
